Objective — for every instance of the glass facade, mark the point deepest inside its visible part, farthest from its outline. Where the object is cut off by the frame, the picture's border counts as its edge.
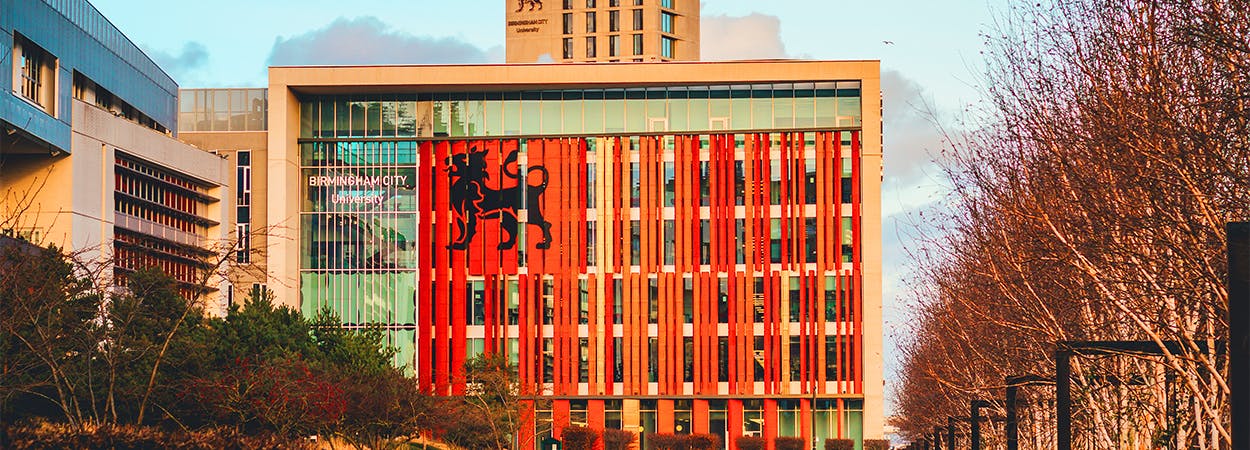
(631, 237)
(775, 106)
(230, 109)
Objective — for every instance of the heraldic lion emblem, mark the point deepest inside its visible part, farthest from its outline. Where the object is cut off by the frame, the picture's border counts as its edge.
(532, 3)
(472, 199)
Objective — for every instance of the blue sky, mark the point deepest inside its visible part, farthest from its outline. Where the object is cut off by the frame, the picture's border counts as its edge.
(930, 53)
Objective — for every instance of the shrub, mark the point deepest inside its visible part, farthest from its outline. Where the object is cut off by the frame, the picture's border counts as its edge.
(751, 443)
(665, 441)
(876, 444)
(839, 444)
(579, 438)
(703, 441)
(790, 443)
(614, 439)
(40, 436)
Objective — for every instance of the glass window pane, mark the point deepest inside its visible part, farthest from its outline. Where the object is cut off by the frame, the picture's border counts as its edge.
(592, 113)
(614, 111)
(826, 105)
(804, 105)
(572, 114)
(761, 107)
(635, 110)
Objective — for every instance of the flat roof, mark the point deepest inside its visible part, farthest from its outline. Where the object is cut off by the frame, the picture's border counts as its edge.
(449, 78)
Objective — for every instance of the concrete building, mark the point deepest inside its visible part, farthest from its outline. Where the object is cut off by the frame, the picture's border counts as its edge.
(671, 247)
(231, 122)
(602, 30)
(88, 160)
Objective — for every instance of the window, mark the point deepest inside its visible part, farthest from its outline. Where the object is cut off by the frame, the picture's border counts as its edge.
(568, 4)
(34, 78)
(475, 308)
(590, 22)
(243, 205)
(666, 4)
(653, 364)
(590, 46)
(666, 22)
(637, 44)
(229, 296)
(590, 3)
(637, 19)
(259, 290)
(614, 21)
(568, 23)
(614, 3)
(666, 47)
(614, 45)
(637, 2)
(568, 48)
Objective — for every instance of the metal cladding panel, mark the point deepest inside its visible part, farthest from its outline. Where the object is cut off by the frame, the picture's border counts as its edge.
(496, 213)
(82, 40)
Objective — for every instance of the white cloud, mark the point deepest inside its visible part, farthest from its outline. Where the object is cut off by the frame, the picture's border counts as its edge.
(913, 139)
(369, 40)
(184, 66)
(754, 36)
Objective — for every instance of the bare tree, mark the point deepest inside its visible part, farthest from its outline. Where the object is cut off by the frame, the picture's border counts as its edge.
(1089, 204)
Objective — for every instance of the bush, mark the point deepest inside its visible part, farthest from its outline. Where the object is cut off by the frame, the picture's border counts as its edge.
(839, 444)
(876, 444)
(751, 443)
(41, 436)
(579, 438)
(614, 439)
(665, 441)
(703, 441)
(789, 443)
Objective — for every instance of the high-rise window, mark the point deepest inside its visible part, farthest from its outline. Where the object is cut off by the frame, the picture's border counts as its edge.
(637, 2)
(568, 23)
(590, 3)
(243, 205)
(614, 21)
(637, 19)
(614, 3)
(637, 44)
(590, 46)
(590, 22)
(666, 4)
(35, 74)
(666, 47)
(568, 48)
(666, 22)
(614, 45)
(568, 4)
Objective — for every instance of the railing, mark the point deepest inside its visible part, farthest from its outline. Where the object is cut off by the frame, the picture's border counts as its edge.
(150, 228)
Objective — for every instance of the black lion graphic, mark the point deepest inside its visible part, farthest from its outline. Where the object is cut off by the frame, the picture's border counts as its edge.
(532, 4)
(472, 199)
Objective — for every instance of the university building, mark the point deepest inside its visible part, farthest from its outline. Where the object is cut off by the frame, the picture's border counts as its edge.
(88, 157)
(601, 30)
(665, 247)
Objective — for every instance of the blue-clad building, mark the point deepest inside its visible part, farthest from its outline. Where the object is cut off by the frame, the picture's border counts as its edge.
(55, 46)
(88, 158)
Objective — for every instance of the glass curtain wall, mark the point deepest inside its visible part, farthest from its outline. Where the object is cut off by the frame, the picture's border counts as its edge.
(574, 112)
